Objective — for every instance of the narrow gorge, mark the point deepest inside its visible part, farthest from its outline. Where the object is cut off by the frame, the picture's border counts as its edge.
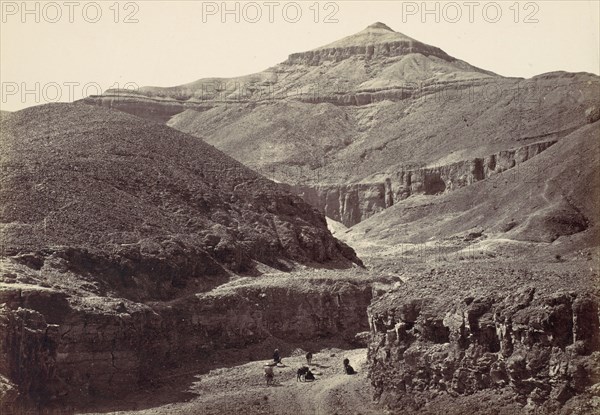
(68, 351)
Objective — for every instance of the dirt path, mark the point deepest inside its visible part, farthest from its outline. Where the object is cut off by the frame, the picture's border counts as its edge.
(242, 390)
(333, 392)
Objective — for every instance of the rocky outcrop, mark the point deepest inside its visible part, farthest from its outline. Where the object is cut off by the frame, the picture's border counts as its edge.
(68, 350)
(439, 179)
(349, 204)
(352, 203)
(378, 50)
(592, 114)
(542, 348)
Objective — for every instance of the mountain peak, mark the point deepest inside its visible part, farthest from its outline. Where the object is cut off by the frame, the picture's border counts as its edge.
(379, 25)
(377, 33)
(376, 40)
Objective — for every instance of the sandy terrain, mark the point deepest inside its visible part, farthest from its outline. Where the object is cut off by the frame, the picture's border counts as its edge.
(242, 389)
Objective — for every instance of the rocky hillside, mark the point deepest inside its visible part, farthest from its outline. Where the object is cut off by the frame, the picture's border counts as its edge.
(448, 335)
(114, 189)
(551, 198)
(332, 73)
(111, 225)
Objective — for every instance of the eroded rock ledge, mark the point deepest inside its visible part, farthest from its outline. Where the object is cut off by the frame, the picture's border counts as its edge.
(159, 106)
(62, 349)
(539, 345)
(353, 203)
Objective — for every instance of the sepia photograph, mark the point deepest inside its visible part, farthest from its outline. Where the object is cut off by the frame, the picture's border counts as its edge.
(300, 207)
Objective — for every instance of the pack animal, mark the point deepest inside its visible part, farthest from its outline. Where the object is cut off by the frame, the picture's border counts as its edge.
(301, 373)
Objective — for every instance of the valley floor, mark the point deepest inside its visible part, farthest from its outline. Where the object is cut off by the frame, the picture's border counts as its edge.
(242, 390)
(231, 381)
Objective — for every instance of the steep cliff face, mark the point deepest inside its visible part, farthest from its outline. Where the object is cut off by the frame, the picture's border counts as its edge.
(439, 179)
(538, 345)
(349, 204)
(352, 203)
(69, 349)
(376, 40)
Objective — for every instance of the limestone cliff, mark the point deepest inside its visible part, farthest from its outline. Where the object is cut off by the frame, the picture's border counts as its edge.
(388, 49)
(68, 349)
(538, 344)
(349, 204)
(352, 203)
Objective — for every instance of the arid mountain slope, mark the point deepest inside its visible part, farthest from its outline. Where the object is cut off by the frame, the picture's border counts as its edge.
(365, 122)
(552, 197)
(126, 196)
(326, 143)
(115, 229)
(375, 59)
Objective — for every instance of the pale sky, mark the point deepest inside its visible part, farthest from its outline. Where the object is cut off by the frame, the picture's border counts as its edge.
(176, 42)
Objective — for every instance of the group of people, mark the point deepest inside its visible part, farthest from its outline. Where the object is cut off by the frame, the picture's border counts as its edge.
(304, 373)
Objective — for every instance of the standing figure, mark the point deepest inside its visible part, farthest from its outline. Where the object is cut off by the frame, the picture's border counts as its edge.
(276, 356)
(308, 358)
